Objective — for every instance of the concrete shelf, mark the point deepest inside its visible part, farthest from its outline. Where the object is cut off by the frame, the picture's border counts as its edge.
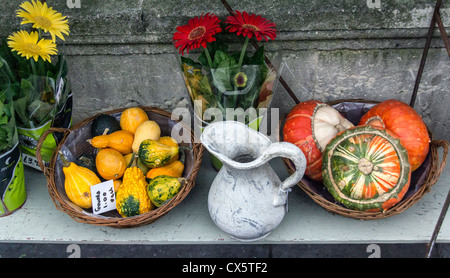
(189, 224)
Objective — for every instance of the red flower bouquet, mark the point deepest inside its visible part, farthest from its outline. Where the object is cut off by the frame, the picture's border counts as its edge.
(221, 79)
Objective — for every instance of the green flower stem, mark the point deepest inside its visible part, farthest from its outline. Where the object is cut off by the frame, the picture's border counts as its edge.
(244, 49)
(208, 57)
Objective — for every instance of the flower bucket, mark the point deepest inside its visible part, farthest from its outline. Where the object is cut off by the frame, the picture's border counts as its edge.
(42, 102)
(12, 180)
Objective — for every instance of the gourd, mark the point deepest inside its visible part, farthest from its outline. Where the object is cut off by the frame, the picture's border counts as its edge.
(366, 169)
(131, 118)
(163, 188)
(174, 169)
(139, 163)
(310, 125)
(117, 183)
(87, 161)
(132, 198)
(406, 123)
(78, 182)
(156, 154)
(169, 141)
(110, 164)
(146, 130)
(104, 122)
(120, 140)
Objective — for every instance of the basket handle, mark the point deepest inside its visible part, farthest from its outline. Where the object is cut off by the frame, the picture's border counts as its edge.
(444, 145)
(44, 135)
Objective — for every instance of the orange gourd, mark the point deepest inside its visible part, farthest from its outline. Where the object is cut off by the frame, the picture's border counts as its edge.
(120, 140)
(110, 164)
(174, 169)
(131, 118)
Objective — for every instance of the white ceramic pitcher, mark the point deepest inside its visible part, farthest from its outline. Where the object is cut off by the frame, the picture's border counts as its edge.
(247, 200)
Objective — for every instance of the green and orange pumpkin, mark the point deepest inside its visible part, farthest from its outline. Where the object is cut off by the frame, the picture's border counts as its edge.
(366, 169)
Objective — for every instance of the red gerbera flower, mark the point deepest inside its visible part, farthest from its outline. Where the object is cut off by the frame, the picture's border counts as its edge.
(198, 32)
(251, 25)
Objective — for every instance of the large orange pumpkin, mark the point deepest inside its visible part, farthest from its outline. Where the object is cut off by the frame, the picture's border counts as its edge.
(406, 123)
(310, 125)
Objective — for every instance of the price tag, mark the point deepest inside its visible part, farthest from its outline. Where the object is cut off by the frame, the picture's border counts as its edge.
(31, 161)
(103, 197)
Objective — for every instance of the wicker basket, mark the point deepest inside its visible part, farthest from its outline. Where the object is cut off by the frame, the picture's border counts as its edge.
(421, 180)
(74, 145)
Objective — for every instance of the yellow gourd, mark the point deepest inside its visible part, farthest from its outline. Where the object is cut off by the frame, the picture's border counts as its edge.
(110, 164)
(131, 118)
(78, 182)
(120, 140)
(132, 198)
(146, 130)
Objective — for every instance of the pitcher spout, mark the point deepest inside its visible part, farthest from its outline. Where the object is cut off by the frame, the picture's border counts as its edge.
(234, 143)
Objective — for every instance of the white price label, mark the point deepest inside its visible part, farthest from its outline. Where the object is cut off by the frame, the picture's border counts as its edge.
(31, 161)
(103, 197)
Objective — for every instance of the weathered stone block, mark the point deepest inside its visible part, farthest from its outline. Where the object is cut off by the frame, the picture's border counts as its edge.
(120, 53)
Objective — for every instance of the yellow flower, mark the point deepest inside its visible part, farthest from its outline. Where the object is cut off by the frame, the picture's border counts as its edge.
(28, 45)
(45, 18)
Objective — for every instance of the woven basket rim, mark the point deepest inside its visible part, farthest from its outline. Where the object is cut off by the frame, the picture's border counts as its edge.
(432, 176)
(79, 215)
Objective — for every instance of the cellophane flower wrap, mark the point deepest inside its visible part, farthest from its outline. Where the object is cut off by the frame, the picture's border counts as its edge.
(38, 75)
(226, 74)
(12, 180)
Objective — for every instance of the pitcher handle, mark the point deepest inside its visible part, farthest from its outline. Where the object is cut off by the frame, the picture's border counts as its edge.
(292, 152)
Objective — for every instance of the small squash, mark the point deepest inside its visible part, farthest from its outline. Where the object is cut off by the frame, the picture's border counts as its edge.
(169, 141)
(156, 154)
(174, 169)
(163, 188)
(117, 183)
(132, 198)
(131, 118)
(104, 122)
(78, 182)
(139, 163)
(120, 140)
(146, 130)
(110, 164)
(87, 161)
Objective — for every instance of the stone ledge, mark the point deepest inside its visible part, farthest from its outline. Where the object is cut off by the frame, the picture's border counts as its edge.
(138, 21)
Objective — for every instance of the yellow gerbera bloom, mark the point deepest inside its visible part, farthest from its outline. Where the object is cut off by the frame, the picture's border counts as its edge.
(45, 18)
(28, 45)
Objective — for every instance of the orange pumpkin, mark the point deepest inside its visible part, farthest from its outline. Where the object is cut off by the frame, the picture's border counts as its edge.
(406, 123)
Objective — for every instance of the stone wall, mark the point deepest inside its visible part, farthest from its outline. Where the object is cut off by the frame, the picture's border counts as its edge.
(120, 52)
